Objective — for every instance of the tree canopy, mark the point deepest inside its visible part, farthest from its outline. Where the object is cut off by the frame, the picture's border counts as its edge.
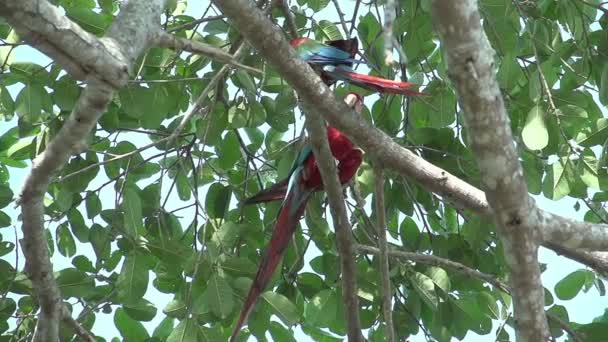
(128, 148)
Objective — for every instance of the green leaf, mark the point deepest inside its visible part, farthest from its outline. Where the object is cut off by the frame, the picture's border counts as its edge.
(141, 311)
(5, 220)
(82, 263)
(65, 93)
(6, 195)
(569, 286)
(130, 329)
(230, 151)
(29, 101)
(603, 93)
(320, 308)
(185, 331)
(100, 240)
(164, 329)
(425, 287)
(65, 241)
(557, 183)
(245, 80)
(239, 267)
(183, 186)
(6, 247)
(93, 205)
(280, 333)
(7, 105)
(132, 282)
(535, 134)
(594, 134)
(326, 30)
(285, 309)
(219, 296)
(440, 278)
(75, 283)
(217, 200)
(131, 205)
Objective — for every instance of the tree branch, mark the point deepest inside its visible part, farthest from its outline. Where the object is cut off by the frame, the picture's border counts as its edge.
(383, 255)
(79, 330)
(467, 271)
(140, 18)
(318, 139)
(470, 63)
(79, 52)
(389, 19)
(166, 40)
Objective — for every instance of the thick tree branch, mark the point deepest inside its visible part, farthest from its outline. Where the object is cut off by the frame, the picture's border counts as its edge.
(387, 307)
(80, 53)
(166, 40)
(389, 19)
(140, 19)
(470, 63)
(318, 139)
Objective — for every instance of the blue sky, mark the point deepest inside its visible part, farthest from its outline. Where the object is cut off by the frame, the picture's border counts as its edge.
(582, 309)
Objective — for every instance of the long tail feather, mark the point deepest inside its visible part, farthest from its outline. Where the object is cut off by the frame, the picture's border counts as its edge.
(372, 82)
(287, 222)
(273, 193)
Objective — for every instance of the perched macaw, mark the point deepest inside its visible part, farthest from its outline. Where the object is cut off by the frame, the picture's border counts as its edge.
(334, 61)
(303, 180)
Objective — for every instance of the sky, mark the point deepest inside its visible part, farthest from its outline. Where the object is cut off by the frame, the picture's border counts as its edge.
(582, 309)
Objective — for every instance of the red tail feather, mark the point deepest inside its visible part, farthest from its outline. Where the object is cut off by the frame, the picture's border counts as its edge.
(373, 83)
(287, 222)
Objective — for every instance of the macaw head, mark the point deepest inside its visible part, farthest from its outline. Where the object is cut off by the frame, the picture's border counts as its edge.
(354, 101)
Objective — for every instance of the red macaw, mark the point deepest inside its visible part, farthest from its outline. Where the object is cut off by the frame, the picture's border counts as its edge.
(334, 61)
(303, 180)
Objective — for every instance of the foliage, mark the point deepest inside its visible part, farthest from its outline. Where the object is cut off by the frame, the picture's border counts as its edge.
(126, 231)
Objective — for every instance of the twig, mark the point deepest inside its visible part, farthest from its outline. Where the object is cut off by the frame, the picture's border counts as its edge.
(440, 262)
(79, 330)
(341, 15)
(194, 23)
(354, 19)
(291, 25)
(384, 267)
(166, 40)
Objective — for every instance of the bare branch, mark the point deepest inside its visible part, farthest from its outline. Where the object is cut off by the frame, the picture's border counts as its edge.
(166, 40)
(439, 262)
(79, 330)
(291, 25)
(470, 63)
(138, 17)
(383, 255)
(341, 16)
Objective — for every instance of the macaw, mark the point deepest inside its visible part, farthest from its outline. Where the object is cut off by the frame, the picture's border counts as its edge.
(295, 190)
(334, 61)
